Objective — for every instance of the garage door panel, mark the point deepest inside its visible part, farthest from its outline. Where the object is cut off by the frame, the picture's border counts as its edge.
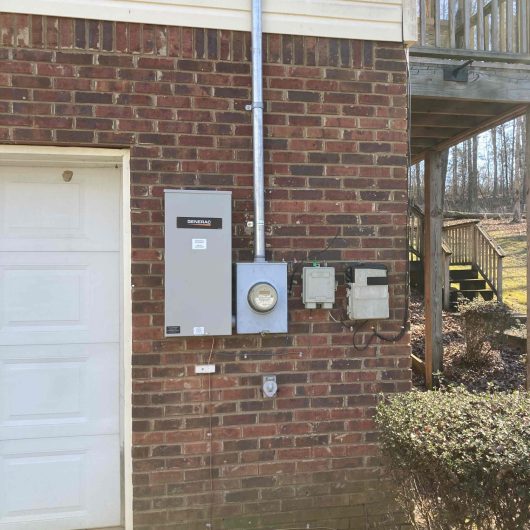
(58, 483)
(59, 297)
(60, 310)
(43, 212)
(59, 390)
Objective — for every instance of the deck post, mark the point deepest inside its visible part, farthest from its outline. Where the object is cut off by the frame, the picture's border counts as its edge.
(527, 176)
(499, 279)
(433, 273)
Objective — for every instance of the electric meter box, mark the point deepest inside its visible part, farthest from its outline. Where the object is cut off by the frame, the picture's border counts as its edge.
(368, 291)
(318, 287)
(198, 263)
(261, 297)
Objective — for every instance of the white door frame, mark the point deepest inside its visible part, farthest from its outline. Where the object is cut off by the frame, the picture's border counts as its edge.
(95, 157)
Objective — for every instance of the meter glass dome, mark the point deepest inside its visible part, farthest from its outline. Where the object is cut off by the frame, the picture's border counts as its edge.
(262, 297)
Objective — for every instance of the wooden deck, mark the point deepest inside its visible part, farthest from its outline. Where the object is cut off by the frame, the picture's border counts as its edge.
(452, 100)
(469, 72)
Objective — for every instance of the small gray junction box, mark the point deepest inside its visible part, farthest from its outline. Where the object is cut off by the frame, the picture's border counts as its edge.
(198, 263)
(318, 287)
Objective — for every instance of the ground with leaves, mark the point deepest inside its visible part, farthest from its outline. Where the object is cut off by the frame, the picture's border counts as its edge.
(505, 369)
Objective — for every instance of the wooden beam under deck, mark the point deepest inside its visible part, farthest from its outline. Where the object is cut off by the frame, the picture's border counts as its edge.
(436, 138)
(434, 132)
(445, 106)
(465, 55)
(488, 82)
(444, 113)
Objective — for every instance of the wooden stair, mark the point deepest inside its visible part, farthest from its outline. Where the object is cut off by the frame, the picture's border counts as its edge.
(472, 260)
(468, 283)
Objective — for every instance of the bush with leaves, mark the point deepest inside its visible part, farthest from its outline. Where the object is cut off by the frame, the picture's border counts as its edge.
(460, 460)
(484, 324)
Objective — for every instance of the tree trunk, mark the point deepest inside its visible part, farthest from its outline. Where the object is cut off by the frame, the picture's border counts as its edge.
(472, 174)
(505, 165)
(516, 206)
(454, 191)
(524, 163)
(495, 163)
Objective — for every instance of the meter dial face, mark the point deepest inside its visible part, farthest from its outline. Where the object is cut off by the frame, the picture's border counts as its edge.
(262, 297)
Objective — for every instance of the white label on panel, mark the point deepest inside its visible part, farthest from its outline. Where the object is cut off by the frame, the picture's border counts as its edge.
(199, 244)
(198, 330)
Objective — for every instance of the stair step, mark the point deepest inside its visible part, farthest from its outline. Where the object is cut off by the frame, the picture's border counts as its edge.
(472, 285)
(463, 274)
(416, 266)
(471, 294)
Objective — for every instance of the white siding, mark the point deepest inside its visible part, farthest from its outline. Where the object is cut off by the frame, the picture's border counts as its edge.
(355, 19)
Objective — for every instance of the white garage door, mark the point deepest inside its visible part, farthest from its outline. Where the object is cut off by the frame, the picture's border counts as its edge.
(59, 348)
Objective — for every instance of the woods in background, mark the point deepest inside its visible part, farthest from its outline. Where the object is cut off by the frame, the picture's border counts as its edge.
(485, 174)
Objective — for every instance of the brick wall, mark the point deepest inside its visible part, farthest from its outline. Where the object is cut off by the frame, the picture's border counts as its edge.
(214, 448)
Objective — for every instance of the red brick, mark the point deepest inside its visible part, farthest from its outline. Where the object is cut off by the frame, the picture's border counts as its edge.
(335, 164)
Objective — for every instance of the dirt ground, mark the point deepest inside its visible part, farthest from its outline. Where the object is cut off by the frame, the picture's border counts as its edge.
(504, 371)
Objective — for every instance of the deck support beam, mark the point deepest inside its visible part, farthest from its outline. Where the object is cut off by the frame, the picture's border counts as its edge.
(433, 270)
(527, 176)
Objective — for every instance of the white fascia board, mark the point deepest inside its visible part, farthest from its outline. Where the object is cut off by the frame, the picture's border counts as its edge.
(352, 19)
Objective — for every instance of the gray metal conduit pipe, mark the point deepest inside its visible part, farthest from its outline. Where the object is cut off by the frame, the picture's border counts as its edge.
(257, 128)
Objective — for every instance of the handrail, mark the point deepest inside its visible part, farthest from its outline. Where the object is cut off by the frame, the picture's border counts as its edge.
(416, 233)
(497, 248)
(488, 258)
(416, 245)
(472, 245)
(463, 243)
(460, 222)
(459, 237)
(416, 249)
(481, 25)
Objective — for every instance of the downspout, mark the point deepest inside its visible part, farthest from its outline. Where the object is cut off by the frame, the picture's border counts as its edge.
(257, 131)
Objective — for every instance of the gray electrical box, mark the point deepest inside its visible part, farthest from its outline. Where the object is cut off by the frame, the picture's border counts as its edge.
(318, 287)
(368, 292)
(261, 299)
(198, 263)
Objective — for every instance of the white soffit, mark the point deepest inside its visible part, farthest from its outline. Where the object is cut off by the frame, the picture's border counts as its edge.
(353, 19)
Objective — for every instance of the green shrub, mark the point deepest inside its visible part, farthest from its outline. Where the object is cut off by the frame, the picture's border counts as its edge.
(460, 460)
(484, 324)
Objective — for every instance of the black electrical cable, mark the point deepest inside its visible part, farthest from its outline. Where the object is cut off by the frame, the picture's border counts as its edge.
(368, 342)
(403, 329)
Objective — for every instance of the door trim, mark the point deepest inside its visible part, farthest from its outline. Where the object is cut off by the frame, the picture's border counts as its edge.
(95, 157)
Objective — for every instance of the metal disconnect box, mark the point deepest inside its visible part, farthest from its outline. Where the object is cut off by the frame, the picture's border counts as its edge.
(273, 277)
(368, 291)
(198, 263)
(318, 287)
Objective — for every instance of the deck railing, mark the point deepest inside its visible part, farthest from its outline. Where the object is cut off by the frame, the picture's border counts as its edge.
(500, 26)
(460, 237)
(415, 234)
(417, 247)
(488, 257)
(463, 243)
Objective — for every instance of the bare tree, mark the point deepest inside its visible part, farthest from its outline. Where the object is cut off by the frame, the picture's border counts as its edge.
(495, 163)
